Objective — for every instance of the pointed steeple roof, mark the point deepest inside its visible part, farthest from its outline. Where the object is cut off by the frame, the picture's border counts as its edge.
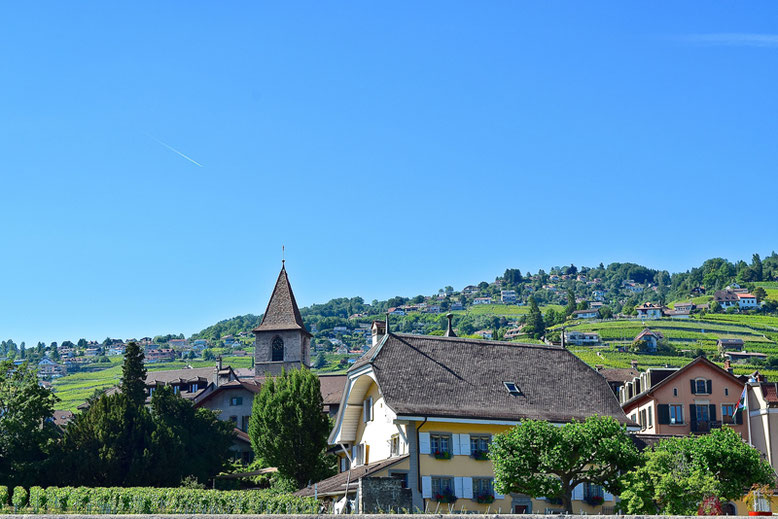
(282, 312)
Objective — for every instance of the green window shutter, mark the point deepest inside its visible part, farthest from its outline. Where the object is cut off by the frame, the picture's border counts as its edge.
(712, 410)
(739, 417)
(663, 414)
(692, 412)
(710, 387)
(694, 387)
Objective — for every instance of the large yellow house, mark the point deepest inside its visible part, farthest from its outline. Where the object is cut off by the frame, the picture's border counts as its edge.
(423, 410)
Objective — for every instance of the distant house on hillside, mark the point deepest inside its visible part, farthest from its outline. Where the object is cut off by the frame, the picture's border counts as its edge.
(744, 356)
(729, 344)
(482, 301)
(578, 338)
(470, 290)
(747, 300)
(649, 311)
(684, 306)
(395, 311)
(508, 297)
(457, 307)
(651, 338)
(725, 298)
(598, 295)
(676, 314)
(485, 334)
(589, 313)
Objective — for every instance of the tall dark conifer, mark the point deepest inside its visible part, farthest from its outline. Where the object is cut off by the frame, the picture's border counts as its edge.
(133, 383)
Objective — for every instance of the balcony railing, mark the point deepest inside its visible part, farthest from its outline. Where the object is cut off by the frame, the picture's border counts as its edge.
(705, 427)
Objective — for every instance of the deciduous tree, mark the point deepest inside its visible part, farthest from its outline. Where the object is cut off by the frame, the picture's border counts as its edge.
(540, 459)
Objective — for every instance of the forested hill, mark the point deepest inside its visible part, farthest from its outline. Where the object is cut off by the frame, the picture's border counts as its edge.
(618, 285)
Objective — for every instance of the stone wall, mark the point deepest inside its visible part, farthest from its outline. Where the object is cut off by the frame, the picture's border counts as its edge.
(296, 351)
(383, 494)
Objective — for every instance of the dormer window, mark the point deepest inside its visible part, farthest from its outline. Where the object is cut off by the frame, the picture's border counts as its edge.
(512, 388)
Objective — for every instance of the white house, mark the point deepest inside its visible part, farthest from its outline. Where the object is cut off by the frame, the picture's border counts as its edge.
(649, 311)
(747, 301)
(508, 296)
(482, 301)
(589, 313)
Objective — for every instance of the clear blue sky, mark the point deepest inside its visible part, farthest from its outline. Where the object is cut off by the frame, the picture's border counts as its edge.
(393, 147)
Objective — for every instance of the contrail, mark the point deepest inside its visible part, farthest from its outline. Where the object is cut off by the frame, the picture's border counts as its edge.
(171, 148)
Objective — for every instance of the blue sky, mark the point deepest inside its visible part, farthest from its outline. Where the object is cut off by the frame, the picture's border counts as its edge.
(393, 148)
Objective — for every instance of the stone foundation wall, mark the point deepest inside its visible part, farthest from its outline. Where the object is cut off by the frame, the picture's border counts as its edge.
(378, 495)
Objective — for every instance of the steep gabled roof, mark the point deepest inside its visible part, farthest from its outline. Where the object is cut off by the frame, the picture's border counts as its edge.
(667, 377)
(455, 377)
(282, 312)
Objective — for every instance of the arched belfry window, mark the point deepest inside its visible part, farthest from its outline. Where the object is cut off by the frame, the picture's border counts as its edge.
(277, 349)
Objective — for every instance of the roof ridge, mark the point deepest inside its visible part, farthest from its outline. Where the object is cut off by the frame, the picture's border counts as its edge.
(481, 341)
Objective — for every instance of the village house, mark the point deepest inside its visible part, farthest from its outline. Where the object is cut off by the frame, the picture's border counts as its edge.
(589, 313)
(676, 313)
(651, 338)
(578, 338)
(688, 307)
(470, 290)
(512, 333)
(160, 355)
(694, 399)
(762, 408)
(47, 368)
(744, 356)
(725, 298)
(724, 344)
(482, 301)
(508, 297)
(395, 311)
(747, 300)
(649, 311)
(455, 307)
(484, 334)
(178, 343)
(391, 424)
(598, 295)
(617, 377)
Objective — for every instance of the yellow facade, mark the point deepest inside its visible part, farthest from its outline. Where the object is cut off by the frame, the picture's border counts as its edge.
(384, 436)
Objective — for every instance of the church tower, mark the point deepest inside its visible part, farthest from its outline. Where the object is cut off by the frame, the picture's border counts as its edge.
(281, 340)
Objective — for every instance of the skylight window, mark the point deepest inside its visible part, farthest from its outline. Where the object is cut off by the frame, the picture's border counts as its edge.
(512, 388)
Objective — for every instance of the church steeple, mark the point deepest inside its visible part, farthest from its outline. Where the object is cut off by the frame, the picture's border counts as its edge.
(282, 312)
(282, 341)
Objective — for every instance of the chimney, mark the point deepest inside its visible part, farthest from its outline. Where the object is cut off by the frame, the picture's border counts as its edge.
(216, 370)
(378, 330)
(634, 364)
(562, 337)
(727, 366)
(449, 327)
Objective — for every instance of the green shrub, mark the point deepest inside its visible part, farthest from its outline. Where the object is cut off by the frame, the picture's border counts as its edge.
(19, 498)
(3, 496)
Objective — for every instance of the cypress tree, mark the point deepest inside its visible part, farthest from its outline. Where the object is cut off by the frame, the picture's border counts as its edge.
(133, 383)
(288, 429)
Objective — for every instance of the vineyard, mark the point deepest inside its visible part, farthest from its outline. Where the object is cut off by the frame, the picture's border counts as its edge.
(85, 500)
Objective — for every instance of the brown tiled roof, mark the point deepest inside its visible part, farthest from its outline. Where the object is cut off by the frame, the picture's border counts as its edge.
(282, 312)
(227, 386)
(185, 374)
(454, 377)
(770, 392)
(337, 483)
(332, 388)
(725, 295)
(619, 374)
(62, 417)
(647, 331)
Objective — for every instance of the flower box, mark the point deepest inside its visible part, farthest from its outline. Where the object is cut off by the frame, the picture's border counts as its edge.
(595, 500)
(447, 496)
(442, 455)
(480, 455)
(484, 498)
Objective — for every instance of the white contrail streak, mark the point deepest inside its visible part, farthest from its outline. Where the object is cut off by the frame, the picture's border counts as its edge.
(171, 148)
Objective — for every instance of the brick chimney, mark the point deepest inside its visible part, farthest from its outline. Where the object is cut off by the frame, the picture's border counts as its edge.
(727, 366)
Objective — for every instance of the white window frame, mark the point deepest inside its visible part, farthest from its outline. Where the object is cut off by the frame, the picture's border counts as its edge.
(697, 386)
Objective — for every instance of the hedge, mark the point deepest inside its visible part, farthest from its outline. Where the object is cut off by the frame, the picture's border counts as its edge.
(146, 500)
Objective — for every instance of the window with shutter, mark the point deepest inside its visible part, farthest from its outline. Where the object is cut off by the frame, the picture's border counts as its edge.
(663, 414)
(694, 386)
